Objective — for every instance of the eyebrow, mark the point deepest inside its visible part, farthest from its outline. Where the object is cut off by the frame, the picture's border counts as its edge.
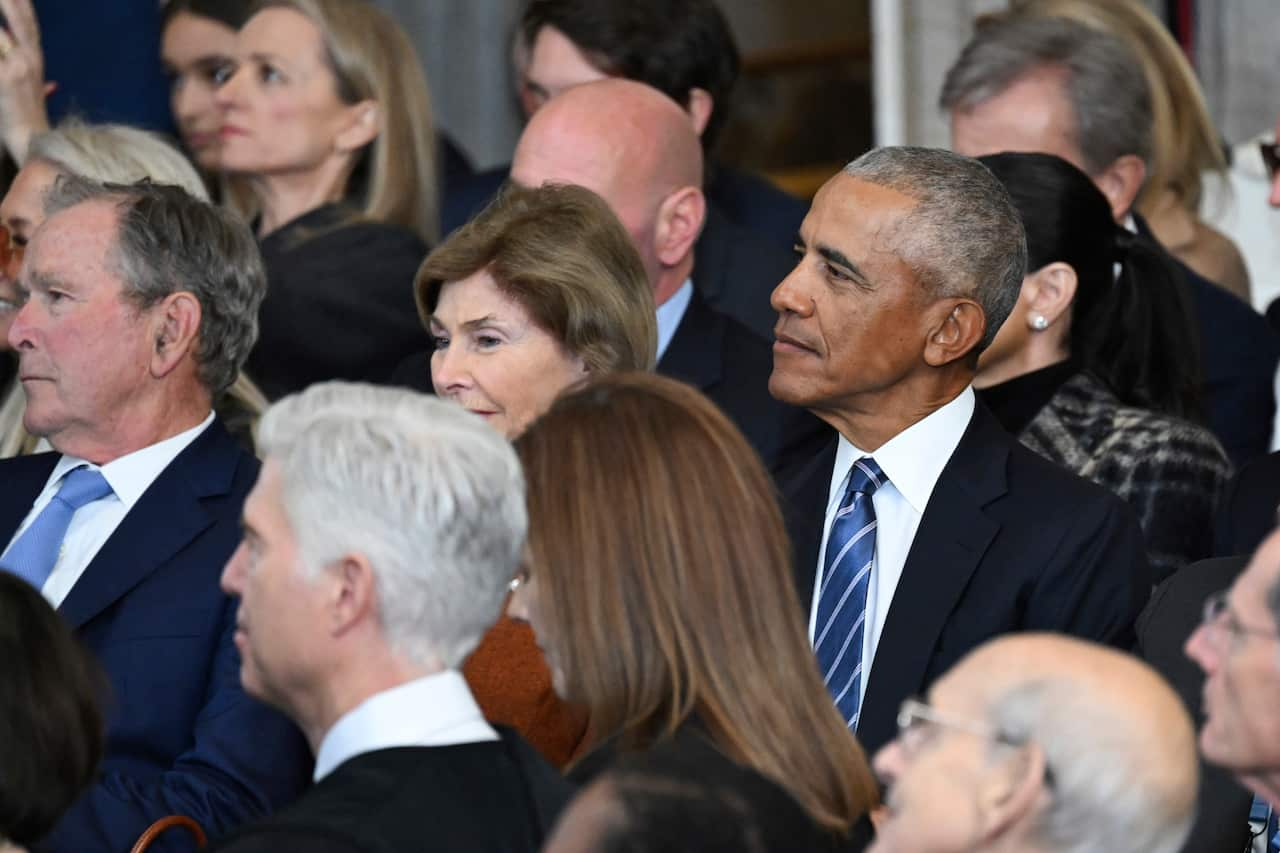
(835, 257)
(39, 280)
(468, 325)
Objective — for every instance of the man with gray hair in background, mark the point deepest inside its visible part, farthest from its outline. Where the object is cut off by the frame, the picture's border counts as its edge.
(922, 528)
(1028, 82)
(139, 304)
(1040, 743)
(379, 545)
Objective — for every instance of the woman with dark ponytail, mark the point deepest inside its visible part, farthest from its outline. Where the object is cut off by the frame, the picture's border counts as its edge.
(1097, 366)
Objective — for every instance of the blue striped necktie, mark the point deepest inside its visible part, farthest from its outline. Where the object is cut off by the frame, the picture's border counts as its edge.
(842, 599)
(35, 553)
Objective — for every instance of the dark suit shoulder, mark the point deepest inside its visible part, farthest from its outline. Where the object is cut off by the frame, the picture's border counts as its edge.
(472, 796)
(1248, 509)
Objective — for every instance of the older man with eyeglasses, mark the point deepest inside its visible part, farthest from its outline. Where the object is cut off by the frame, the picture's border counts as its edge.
(1040, 742)
(1238, 647)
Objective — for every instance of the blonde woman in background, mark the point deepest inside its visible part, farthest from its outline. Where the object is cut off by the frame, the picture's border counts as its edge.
(109, 153)
(1186, 143)
(328, 119)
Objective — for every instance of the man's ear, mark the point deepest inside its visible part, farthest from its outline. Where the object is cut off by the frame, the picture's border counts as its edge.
(364, 123)
(679, 223)
(1120, 182)
(352, 597)
(700, 107)
(958, 329)
(1010, 792)
(175, 328)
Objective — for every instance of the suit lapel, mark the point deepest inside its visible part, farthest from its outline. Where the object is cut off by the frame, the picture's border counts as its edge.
(694, 355)
(953, 536)
(804, 493)
(24, 478)
(166, 518)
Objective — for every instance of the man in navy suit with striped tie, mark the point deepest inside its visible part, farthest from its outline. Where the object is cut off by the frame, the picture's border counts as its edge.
(922, 529)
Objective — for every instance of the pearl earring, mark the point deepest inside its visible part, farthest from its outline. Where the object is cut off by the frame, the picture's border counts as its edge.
(1039, 322)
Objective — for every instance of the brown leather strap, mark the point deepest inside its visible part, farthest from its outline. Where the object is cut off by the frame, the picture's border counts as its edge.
(164, 823)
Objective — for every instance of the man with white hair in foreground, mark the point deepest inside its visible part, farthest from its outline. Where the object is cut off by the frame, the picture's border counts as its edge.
(1041, 742)
(379, 544)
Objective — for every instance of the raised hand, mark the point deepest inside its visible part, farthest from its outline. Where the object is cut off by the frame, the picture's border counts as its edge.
(22, 84)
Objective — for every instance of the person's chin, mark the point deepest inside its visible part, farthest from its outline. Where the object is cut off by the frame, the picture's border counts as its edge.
(785, 386)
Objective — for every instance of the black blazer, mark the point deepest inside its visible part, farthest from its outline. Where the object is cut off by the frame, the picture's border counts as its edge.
(499, 797)
(1238, 357)
(1008, 542)
(726, 361)
(339, 303)
(1174, 612)
(182, 735)
(1247, 512)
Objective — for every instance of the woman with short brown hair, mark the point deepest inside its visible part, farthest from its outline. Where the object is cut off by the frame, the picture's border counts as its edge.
(659, 586)
(542, 290)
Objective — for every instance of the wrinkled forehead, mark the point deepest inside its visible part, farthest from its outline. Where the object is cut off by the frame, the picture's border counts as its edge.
(78, 239)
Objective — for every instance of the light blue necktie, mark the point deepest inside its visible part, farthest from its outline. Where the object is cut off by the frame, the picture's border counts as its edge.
(842, 599)
(35, 553)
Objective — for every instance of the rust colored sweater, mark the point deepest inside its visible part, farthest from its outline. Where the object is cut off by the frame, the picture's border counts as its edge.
(511, 682)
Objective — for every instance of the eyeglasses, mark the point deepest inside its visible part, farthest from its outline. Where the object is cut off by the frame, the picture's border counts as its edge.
(11, 253)
(1218, 614)
(916, 718)
(1270, 157)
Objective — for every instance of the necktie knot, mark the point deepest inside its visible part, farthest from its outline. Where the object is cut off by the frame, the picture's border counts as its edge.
(82, 486)
(865, 477)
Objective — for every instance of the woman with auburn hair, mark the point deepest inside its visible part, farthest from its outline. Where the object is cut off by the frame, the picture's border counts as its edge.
(1186, 143)
(327, 119)
(659, 586)
(540, 291)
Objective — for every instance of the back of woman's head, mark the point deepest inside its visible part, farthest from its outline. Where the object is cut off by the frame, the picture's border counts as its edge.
(1186, 143)
(229, 13)
(1134, 332)
(115, 154)
(51, 734)
(372, 58)
(561, 253)
(664, 574)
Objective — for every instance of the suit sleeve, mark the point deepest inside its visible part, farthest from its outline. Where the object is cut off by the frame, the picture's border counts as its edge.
(1098, 579)
(244, 760)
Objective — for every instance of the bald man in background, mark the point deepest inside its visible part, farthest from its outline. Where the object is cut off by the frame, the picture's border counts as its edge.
(1041, 742)
(635, 147)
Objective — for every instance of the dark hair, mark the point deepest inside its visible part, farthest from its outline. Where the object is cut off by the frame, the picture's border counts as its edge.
(1135, 333)
(231, 13)
(51, 732)
(672, 45)
(672, 799)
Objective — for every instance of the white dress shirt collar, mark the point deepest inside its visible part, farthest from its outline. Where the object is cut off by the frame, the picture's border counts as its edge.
(670, 313)
(131, 475)
(914, 458)
(435, 710)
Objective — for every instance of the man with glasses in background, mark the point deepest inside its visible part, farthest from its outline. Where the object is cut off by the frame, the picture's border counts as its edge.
(1040, 742)
(1238, 647)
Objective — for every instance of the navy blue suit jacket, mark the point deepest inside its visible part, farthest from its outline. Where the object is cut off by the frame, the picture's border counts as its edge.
(182, 736)
(1238, 357)
(1008, 542)
(731, 365)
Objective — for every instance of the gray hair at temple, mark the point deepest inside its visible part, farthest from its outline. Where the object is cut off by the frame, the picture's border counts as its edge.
(115, 154)
(964, 237)
(1100, 801)
(170, 242)
(1104, 81)
(430, 494)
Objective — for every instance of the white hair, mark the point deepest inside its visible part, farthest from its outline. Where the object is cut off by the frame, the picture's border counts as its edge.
(431, 495)
(115, 154)
(1103, 797)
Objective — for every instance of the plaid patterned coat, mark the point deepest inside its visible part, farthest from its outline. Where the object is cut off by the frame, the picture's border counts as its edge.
(1172, 472)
